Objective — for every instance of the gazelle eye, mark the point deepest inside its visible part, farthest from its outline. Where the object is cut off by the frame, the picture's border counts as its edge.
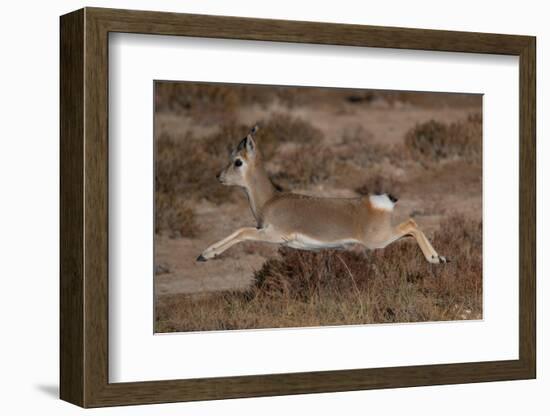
(238, 162)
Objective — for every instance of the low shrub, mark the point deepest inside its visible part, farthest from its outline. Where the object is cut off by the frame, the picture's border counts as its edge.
(207, 101)
(174, 216)
(282, 128)
(395, 278)
(187, 167)
(357, 146)
(379, 184)
(295, 169)
(434, 140)
(331, 287)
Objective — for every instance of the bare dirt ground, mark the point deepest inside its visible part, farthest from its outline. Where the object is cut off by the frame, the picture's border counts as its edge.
(425, 195)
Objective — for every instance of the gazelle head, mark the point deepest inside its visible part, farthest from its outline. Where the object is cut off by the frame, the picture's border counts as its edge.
(243, 160)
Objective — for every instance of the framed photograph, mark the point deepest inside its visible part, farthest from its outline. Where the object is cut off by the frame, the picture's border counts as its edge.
(256, 207)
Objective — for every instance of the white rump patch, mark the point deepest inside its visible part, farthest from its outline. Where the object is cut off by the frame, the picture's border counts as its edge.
(382, 202)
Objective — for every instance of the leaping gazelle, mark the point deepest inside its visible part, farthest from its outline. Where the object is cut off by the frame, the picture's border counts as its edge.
(307, 222)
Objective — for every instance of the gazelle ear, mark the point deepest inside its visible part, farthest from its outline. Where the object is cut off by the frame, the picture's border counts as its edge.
(241, 145)
(250, 143)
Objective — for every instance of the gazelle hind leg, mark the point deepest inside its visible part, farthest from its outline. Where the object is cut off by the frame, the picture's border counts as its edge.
(410, 227)
(242, 234)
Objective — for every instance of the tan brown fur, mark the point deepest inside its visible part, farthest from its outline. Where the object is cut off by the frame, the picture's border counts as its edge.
(308, 222)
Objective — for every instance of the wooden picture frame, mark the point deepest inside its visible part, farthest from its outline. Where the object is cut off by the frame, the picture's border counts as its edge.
(84, 207)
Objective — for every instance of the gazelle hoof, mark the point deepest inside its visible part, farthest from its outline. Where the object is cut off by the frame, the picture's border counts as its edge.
(201, 258)
(439, 259)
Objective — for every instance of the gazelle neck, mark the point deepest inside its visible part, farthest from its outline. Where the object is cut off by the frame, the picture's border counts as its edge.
(259, 189)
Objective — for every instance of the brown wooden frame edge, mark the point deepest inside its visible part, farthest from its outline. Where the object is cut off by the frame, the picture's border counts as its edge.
(84, 207)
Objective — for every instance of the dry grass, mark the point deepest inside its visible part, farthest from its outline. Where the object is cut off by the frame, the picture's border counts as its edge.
(187, 167)
(295, 170)
(379, 184)
(435, 141)
(174, 216)
(204, 101)
(332, 287)
(281, 128)
(329, 287)
(357, 147)
(185, 172)
(309, 161)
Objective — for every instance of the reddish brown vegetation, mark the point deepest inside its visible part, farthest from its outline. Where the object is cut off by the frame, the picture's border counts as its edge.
(437, 141)
(298, 288)
(301, 288)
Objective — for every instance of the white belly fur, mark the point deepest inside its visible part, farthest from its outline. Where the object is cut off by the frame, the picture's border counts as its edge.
(304, 242)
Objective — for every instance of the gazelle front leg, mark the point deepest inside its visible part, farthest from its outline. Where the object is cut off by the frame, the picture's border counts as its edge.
(411, 228)
(242, 234)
